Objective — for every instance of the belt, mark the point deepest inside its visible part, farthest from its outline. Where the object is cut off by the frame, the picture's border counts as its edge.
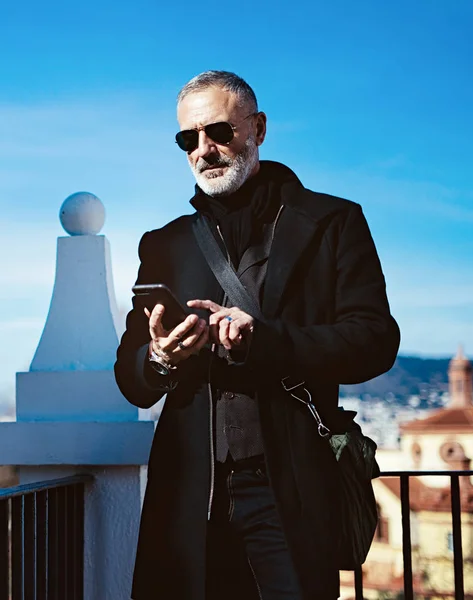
(253, 462)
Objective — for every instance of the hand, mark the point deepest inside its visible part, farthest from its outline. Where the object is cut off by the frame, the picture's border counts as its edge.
(230, 327)
(192, 333)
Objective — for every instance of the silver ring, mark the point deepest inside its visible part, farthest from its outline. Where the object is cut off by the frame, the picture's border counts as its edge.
(228, 317)
(181, 345)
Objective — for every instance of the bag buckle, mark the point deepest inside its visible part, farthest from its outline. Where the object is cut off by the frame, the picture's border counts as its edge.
(289, 383)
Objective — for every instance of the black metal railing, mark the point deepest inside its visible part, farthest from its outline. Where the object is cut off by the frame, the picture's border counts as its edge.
(42, 540)
(455, 494)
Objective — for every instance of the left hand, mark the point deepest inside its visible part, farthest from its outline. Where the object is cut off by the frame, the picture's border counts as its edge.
(230, 327)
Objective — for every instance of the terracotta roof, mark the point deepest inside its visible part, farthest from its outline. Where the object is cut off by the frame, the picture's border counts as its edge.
(422, 497)
(452, 419)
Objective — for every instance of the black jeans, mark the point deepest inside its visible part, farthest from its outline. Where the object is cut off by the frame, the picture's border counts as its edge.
(247, 553)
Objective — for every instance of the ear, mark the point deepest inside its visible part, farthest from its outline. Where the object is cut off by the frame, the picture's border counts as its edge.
(260, 128)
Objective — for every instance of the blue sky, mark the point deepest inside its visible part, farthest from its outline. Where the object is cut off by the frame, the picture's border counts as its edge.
(368, 100)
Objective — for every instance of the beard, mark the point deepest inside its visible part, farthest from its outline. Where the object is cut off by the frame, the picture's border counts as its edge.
(238, 170)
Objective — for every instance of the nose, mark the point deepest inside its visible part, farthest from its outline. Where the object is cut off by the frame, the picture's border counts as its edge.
(206, 145)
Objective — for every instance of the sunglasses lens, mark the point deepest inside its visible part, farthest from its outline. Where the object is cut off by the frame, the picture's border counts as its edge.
(188, 140)
(222, 133)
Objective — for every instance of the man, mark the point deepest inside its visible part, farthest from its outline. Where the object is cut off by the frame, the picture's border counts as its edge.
(242, 492)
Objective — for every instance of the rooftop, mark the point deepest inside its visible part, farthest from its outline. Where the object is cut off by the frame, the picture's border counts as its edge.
(455, 420)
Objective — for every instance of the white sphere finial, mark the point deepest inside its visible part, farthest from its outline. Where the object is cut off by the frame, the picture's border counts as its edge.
(82, 213)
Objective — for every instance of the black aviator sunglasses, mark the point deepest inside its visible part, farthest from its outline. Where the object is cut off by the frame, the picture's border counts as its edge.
(220, 133)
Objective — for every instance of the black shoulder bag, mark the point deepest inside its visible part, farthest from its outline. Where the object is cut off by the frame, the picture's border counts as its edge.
(354, 452)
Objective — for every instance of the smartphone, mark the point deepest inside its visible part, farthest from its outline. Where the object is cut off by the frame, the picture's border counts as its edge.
(158, 293)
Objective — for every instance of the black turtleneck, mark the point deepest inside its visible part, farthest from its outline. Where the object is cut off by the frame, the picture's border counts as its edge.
(241, 215)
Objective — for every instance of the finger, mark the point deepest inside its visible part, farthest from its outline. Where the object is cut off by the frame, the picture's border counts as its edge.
(234, 333)
(191, 338)
(147, 313)
(200, 343)
(213, 334)
(205, 305)
(229, 314)
(168, 340)
(214, 323)
(189, 349)
(213, 329)
(155, 327)
(183, 328)
(223, 328)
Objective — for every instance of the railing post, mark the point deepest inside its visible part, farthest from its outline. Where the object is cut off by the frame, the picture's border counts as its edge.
(457, 537)
(406, 538)
(42, 544)
(30, 545)
(359, 584)
(18, 546)
(4, 549)
(53, 559)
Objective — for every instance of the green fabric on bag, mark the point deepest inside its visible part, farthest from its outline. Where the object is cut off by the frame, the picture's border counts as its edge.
(355, 454)
(362, 450)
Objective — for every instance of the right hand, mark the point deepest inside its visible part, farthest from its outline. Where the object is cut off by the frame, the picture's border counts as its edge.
(193, 333)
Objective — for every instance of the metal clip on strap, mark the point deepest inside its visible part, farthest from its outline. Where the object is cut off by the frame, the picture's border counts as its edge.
(289, 385)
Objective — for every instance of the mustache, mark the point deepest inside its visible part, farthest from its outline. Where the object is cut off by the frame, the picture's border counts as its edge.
(212, 161)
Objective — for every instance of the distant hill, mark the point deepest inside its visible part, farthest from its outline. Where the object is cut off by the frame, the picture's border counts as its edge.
(410, 375)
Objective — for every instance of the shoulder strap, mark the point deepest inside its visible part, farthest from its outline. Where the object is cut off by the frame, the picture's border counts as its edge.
(238, 296)
(222, 269)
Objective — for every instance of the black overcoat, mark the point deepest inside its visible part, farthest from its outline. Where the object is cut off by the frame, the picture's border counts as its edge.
(327, 321)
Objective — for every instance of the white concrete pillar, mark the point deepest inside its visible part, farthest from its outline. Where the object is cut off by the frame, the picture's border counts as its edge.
(71, 417)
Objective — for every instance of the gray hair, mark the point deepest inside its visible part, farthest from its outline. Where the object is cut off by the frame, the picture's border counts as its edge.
(226, 81)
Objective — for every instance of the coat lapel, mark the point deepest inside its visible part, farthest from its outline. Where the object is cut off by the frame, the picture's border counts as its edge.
(302, 217)
(294, 231)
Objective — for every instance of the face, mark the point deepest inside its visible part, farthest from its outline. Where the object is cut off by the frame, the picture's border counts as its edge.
(221, 169)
